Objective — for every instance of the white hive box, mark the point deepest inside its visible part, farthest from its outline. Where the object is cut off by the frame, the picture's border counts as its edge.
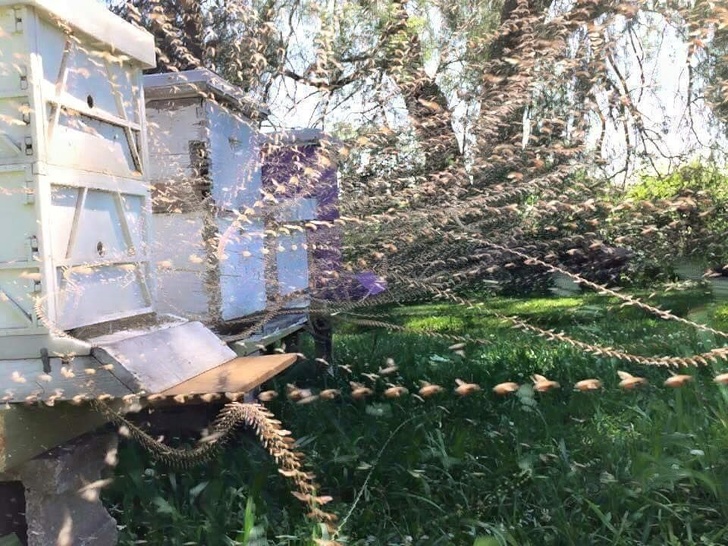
(300, 168)
(77, 305)
(205, 157)
(291, 252)
(76, 297)
(74, 201)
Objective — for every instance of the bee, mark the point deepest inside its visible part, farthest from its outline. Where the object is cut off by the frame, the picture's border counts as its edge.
(359, 391)
(628, 381)
(267, 396)
(295, 394)
(501, 389)
(395, 391)
(390, 367)
(676, 380)
(92, 491)
(541, 384)
(588, 385)
(329, 394)
(428, 389)
(465, 389)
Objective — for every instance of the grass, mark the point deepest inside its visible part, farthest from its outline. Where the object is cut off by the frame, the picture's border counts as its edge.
(558, 468)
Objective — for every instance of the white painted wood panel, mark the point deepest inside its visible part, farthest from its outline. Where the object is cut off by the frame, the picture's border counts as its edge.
(233, 288)
(298, 209)
(75, 203)
(108, 291)
(172, 125)
(180, 255)
(242, 268)
(94, 20)
(102, 266)
(234, 159)
(92, 102)
(17, 214)
(15, 101)
(17, 289)
(292, 263)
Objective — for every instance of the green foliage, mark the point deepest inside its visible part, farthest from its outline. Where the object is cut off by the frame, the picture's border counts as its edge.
(643, 467)
(10, 540)
(228, 502)
(691, 178)
(680, 216)
(720, 316)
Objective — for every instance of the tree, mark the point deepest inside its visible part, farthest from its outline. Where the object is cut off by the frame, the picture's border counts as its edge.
(555, 98)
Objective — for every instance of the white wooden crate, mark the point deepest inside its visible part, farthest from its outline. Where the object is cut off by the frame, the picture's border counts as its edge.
(75, 210)
(292, 249)
(205, 167)
(74, 198)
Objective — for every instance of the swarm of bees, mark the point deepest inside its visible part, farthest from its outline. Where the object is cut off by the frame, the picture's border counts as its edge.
(538, 383)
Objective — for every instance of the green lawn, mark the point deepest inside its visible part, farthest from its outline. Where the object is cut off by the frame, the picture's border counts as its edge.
(563, 467)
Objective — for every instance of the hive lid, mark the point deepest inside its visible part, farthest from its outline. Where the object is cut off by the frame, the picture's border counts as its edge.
(93, 19)
(201, 82)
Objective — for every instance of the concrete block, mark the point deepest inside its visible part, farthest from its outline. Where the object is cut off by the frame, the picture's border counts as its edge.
(61, 510)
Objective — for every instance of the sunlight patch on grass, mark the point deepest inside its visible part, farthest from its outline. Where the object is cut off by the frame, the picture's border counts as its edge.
(443, 323)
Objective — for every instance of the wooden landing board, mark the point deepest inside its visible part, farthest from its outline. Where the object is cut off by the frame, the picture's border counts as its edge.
(241, 374)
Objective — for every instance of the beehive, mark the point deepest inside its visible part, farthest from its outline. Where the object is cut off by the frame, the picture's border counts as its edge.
(208, 214)
(78, 313)
(76, 283)
(74, 204)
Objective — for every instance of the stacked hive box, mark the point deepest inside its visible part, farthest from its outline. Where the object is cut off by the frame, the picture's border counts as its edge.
(77, 301)
(76, 282)
(74, 209)
(206, 183)
(300, 168)
(211, 216)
